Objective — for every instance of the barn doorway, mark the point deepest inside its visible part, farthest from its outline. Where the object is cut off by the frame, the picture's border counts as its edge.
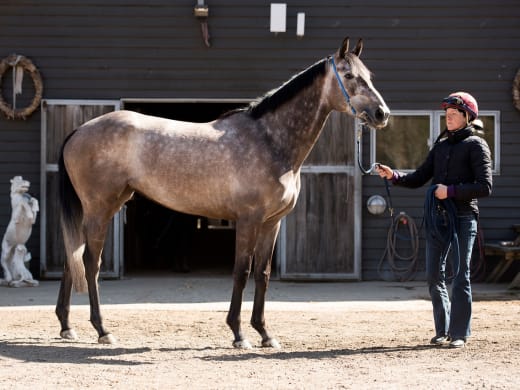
(159, 240)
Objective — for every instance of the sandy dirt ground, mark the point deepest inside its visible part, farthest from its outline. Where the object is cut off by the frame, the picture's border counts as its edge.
(325, 345)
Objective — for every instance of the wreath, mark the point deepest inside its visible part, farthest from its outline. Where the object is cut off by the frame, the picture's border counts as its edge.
(12, 61)
(516, 90)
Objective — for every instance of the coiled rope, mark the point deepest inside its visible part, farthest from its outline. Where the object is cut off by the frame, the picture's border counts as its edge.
(402, 229)
(446, 238)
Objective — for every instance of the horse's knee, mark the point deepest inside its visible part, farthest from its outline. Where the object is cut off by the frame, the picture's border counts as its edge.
(240, 280)
(262, 278)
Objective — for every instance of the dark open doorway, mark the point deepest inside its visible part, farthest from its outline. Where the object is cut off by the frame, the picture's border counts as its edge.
(160, 240)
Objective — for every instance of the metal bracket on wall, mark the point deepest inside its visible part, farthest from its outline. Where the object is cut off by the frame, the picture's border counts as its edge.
(201, 12)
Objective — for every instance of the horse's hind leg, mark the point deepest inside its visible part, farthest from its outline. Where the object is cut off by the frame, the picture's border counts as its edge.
(263, 257)
(95, 232)
(63, 305)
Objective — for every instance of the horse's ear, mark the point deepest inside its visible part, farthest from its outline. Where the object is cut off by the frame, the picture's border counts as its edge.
(344, 48)
(359, 47)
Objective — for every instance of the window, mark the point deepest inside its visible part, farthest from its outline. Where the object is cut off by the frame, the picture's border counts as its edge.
(405, 142)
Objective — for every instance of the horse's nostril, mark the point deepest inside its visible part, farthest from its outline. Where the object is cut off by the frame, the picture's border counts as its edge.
(382, 114)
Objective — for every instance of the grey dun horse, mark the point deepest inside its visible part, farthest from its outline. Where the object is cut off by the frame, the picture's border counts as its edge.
(244, 166)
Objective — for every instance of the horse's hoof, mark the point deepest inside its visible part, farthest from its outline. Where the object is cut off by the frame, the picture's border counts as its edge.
(69, 334)
(107, 339)
(271, 343)
(242, 344)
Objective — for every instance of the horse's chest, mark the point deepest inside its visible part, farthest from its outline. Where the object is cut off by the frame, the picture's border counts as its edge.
(290, 184)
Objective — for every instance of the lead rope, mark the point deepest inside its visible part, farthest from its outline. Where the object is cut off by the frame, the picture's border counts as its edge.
(391, 253)
(360, 164)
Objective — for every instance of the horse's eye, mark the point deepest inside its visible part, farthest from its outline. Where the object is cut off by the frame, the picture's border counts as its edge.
(349, 76)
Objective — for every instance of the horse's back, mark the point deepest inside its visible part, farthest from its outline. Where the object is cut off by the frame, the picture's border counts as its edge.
(171, 162)
(119, 133)
(127, 121)
(197, 168)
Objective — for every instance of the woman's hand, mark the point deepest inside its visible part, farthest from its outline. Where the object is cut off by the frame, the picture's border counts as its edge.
(384, 171)
(441, 192)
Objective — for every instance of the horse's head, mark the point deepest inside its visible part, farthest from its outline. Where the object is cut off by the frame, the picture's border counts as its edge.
(353, 88)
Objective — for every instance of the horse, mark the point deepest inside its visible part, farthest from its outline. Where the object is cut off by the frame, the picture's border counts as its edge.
(243, 167)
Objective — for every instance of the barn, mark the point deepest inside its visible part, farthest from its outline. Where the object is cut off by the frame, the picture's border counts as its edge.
(194, 60)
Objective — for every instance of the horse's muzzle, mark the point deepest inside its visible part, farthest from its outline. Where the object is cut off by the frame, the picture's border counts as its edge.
(376, 120)
(382, 114)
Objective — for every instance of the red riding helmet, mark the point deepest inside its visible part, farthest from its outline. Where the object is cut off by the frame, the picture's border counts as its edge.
(462, 101)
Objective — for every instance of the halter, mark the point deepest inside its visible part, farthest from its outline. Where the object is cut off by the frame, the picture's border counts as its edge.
(341, 86)
(360, 131)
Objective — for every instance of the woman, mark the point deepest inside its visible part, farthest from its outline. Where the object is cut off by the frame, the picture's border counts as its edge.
(459, 166)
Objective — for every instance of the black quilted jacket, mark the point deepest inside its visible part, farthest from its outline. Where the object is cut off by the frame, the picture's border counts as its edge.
(462, 161)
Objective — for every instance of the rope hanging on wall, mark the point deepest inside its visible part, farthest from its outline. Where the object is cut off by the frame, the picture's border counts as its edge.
(516, 90)
(402, 265)
(20, 64)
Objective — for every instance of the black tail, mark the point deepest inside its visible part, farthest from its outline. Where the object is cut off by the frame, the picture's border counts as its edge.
(71, 218)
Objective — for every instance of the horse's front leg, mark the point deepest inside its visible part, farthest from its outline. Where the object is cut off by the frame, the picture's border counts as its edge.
(244, 248)
(262, 272)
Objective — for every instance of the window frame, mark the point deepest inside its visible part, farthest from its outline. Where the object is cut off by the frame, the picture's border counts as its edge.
(438, 114)
(435, 129)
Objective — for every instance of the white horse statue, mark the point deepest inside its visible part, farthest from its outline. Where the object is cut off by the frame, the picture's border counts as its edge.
(14, 253)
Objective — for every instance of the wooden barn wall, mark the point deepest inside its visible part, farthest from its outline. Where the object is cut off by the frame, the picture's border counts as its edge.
(424, 52)
(419, 52)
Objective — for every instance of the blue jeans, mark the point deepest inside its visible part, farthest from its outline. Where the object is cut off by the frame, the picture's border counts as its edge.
(451, 318)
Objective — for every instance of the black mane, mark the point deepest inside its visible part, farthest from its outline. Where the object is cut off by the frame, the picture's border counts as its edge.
(275, 98)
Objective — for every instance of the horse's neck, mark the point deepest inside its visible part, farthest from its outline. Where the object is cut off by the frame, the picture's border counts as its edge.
(296, 126)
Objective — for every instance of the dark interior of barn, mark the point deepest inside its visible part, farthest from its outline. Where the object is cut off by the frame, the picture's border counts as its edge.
(159, 240)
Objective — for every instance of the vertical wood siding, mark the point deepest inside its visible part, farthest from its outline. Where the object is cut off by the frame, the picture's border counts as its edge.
(419, 52)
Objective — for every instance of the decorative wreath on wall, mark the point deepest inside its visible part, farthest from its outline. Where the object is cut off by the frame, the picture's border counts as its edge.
(18, 61)
(516, 90)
